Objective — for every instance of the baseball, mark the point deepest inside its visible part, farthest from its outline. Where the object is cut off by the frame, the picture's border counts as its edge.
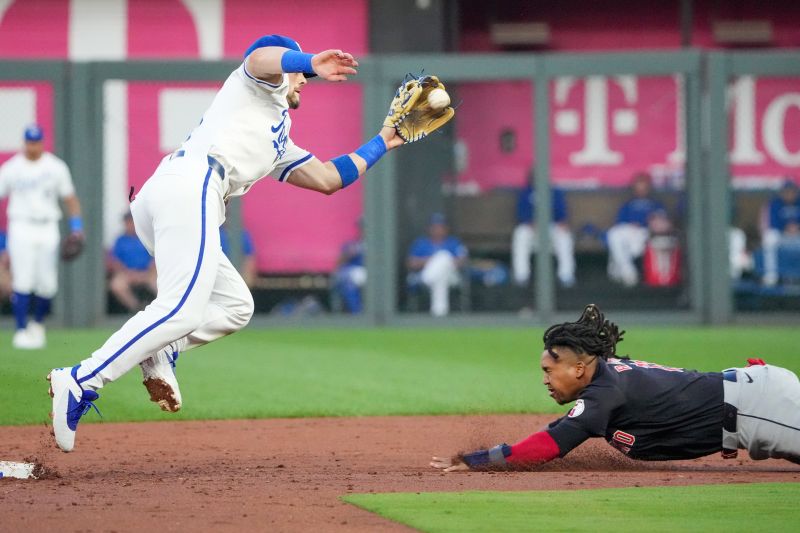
(438, 99)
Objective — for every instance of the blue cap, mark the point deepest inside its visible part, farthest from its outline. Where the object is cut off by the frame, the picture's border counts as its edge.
(438, 218)
(788, 183)
(34, 133)
(278, 40)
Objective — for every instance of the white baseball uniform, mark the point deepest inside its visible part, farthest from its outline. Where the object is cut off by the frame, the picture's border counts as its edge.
(34, 189)
(524, 242)
(626, 242)
(243, 137)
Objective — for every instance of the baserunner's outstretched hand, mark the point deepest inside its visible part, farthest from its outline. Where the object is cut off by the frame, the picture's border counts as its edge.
(334, 65)
(448, 464)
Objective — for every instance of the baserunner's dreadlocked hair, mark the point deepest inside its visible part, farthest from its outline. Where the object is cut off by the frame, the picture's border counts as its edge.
(592, 334)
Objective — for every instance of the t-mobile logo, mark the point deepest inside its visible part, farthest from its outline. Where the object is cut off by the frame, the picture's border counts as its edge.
(596, 115)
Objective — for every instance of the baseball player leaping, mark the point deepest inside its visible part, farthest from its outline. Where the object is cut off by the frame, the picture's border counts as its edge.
(242, 137)
(650, 411)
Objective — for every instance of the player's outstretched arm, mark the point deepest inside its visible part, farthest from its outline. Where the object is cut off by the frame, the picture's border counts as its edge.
(270, 62)
(344, 170)
(449, 464)
(534, 450)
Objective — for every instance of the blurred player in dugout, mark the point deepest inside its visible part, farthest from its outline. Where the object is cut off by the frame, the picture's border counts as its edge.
(637, 221)
(524, 240)
(350, 275)
(34, 180)
(247, 268)
(132, 268)
(436, 261)
(782, 228)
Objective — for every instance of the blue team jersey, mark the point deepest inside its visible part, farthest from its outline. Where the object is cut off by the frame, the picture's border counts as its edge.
(2, 242)
(424, 247)
(526, 205)
(130, 251)
(353, 251)
(782, 214)
(247, 242)
(638, 211)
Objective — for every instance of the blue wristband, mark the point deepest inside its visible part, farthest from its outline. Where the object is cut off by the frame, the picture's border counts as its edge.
(292, 61)
(495, 456)
(75, 224)
(372, 150)
(348, 170)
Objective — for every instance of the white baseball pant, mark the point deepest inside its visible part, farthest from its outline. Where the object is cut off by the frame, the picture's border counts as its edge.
(737, 252)
(770, 240)
(626, 242)
(357, 275)
(439, 274)
(33, 252)
(524, 242)
(201, 297)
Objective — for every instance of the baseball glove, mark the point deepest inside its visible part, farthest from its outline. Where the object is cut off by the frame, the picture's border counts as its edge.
(72, 246)
(411, 115)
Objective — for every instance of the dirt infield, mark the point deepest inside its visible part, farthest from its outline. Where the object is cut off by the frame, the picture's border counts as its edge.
(288, 475)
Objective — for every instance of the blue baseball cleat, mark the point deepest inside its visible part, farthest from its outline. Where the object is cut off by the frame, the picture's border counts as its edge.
(70, 403)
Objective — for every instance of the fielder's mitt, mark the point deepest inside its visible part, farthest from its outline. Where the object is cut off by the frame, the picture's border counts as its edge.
(411, 115)
(72, 246)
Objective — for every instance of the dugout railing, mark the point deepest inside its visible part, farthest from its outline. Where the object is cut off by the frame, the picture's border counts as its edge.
(78, 123)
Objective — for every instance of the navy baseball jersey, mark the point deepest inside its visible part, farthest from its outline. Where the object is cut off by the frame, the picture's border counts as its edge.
(647, 411)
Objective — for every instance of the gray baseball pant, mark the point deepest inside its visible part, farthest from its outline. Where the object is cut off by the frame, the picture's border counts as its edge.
(764, 400)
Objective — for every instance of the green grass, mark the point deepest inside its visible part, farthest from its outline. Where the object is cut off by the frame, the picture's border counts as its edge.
(299, 373)
(729, 508)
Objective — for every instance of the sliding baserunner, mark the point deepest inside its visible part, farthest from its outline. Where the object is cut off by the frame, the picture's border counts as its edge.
(649, 411)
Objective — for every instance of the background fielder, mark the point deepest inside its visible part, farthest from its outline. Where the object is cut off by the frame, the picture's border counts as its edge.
(243, 137)
(34, 180)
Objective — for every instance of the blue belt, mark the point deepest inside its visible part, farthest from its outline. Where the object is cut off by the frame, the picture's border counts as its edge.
(215, 165)
(729, 375)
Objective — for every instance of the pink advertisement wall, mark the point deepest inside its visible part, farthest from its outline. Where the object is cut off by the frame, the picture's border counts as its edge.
(604, 130)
